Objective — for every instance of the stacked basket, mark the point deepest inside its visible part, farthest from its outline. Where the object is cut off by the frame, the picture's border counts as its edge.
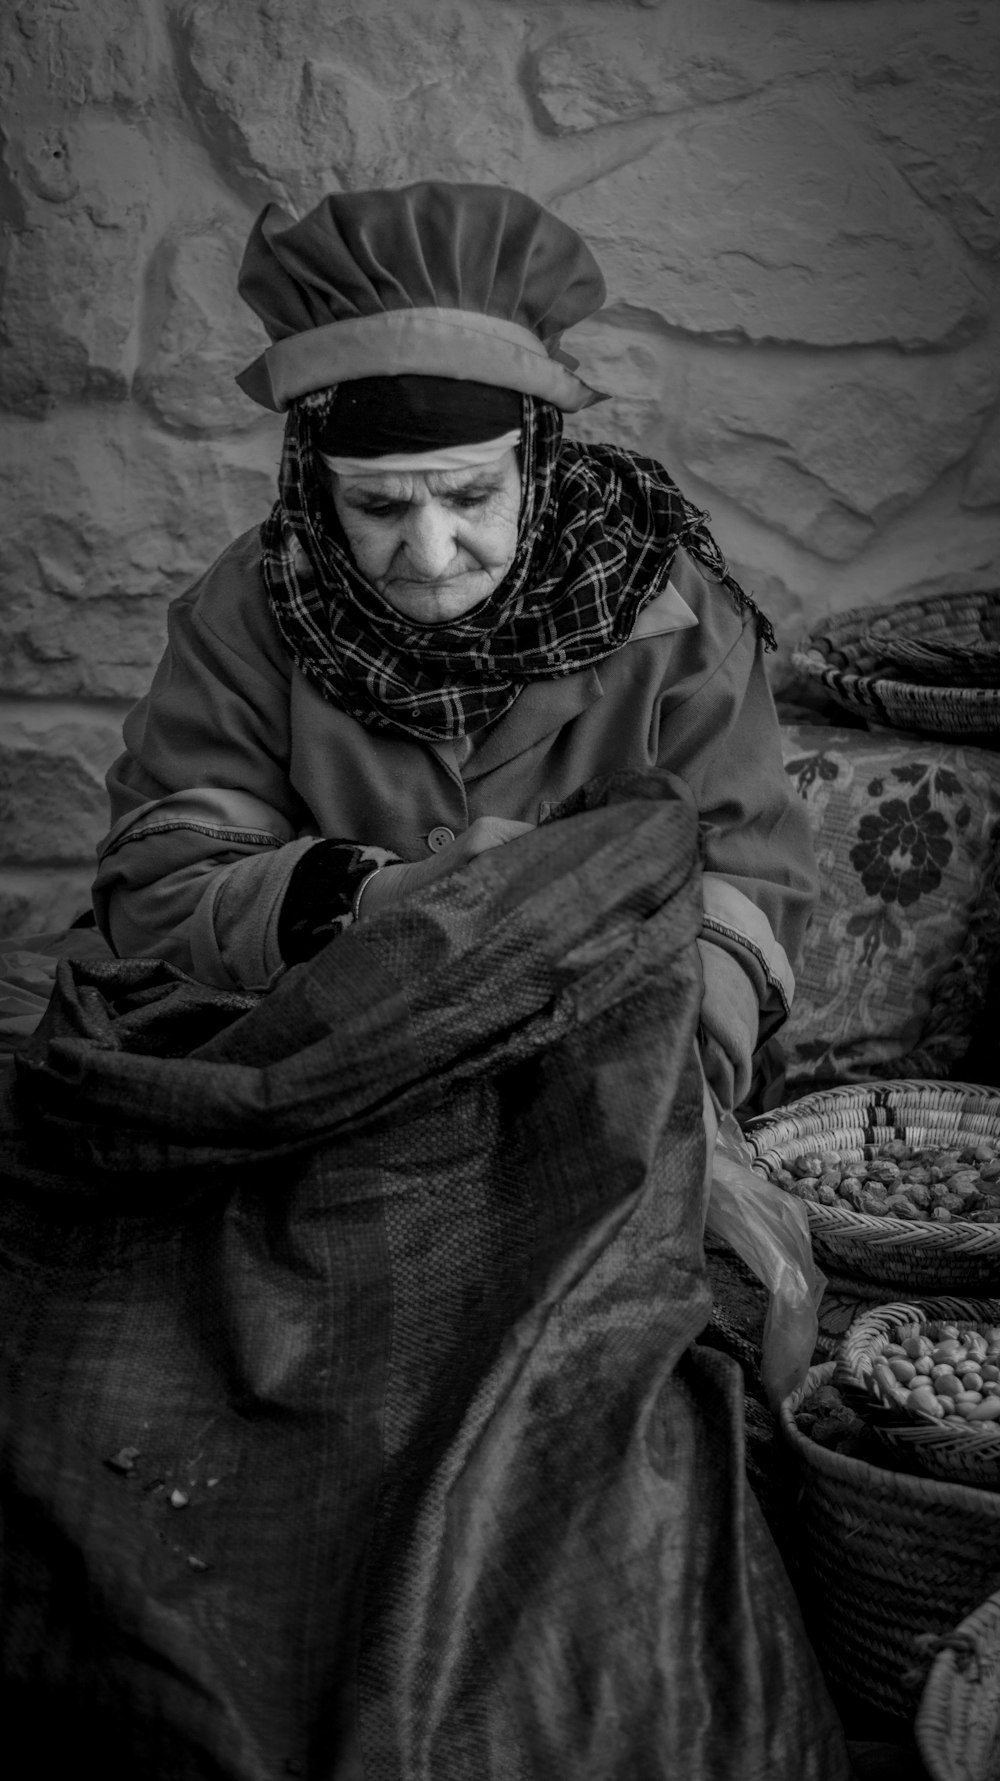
(926, 664)
(902, 1545)
(958, 1723)
(897, 1547)
(887, 1561)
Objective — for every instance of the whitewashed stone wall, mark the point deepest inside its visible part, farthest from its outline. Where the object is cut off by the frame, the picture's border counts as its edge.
(796, 204)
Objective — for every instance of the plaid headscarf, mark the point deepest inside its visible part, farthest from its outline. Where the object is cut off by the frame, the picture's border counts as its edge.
(598, 531)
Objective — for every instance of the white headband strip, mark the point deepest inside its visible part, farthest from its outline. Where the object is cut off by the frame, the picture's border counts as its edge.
(443, 457)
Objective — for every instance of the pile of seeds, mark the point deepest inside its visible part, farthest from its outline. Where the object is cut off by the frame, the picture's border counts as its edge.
(942, 1371)
(899, 1180)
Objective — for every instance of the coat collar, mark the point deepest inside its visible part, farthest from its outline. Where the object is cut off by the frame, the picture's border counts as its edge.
(540, 707)
(545, 705)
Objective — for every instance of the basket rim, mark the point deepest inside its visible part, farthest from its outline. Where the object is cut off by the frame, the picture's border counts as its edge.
(960, 1237)
(880, 1481)
(938, 705)
(913, 606)
(855, 621)
(808, 658)
(879, 1090)
(934, 1724)
(925, 655)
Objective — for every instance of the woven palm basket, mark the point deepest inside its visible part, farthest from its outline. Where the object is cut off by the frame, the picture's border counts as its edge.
(958, 1722)
(952, 1450)
(884, 1562)
(845, 653)
(900, 1257)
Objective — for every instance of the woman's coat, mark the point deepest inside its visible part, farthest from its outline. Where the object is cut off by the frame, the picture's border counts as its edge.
(235, 764)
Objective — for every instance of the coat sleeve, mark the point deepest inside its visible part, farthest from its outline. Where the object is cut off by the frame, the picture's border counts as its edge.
(719, 730)
(207, 829)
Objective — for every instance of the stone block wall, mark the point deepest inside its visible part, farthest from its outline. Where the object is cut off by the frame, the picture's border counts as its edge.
(796, 204)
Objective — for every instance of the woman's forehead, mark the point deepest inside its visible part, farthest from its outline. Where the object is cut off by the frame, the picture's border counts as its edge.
(405, 484)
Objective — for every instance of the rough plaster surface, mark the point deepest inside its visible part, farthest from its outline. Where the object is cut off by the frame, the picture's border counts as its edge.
(52, 789)
(767, 221)
(796, 205)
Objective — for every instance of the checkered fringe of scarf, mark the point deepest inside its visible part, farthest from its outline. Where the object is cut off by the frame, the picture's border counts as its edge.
(598, 532)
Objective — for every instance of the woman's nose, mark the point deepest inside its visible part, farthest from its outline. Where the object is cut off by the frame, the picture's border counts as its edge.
(430, 541)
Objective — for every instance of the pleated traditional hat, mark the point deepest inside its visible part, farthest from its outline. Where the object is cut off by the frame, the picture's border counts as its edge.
(437, 279)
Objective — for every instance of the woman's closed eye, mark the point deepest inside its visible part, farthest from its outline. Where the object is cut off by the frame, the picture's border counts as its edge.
(465, 501)
(381, 509)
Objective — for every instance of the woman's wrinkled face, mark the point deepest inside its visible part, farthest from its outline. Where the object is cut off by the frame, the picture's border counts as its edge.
(435, 543)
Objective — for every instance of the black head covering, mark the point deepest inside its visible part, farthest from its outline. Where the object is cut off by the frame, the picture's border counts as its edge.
(374, 416)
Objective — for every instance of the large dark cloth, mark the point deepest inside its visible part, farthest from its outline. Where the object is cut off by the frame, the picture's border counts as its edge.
(352, 1425)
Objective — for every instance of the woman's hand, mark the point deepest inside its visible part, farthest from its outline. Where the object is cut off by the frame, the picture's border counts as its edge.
(393, 884)
(730, 1016)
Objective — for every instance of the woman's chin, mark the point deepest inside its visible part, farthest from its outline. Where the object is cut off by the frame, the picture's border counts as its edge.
(434, 603)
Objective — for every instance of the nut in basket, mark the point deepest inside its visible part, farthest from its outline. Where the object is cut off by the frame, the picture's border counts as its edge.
(930, 1388)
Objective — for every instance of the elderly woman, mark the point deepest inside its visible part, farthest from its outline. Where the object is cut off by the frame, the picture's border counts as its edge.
(452, 619)
(352, 1410)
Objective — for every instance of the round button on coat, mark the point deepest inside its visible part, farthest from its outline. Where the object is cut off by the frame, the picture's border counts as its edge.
(439, 838)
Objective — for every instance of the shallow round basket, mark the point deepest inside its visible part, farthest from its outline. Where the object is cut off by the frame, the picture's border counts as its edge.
(902, 1256)
(954, 1451)
(958, 1721)
(843, 654)
(884, 1561)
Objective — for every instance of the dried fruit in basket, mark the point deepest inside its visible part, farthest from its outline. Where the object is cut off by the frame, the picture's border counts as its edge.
(829, 1421)
(934, 1182)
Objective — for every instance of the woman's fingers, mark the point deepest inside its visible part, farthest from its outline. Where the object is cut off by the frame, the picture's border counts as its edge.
(720, 1073)
(393, 884)
(484, 833)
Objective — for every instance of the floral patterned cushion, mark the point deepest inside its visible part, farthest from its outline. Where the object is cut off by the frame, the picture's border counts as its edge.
(897, 962)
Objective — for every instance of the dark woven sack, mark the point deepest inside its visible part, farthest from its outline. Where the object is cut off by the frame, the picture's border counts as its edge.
(352, 1423)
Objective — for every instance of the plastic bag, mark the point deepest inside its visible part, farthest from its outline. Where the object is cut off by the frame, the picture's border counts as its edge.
(770, 1231)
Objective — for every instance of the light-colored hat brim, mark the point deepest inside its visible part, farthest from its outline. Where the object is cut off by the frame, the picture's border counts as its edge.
(423, 342)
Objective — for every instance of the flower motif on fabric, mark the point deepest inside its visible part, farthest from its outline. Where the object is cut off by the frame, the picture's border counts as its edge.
(809, 768)
(896, 972)
(903, 847)
(902, 850)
